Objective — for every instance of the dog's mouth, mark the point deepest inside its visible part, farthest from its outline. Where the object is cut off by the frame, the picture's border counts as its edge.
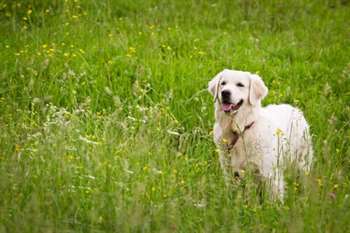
(228, 107)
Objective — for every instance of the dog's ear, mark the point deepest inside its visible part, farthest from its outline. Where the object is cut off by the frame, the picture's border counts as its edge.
(257, 90)
(213, 84)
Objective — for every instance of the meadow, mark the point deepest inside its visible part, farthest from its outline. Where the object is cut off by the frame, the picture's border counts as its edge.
(106, 123)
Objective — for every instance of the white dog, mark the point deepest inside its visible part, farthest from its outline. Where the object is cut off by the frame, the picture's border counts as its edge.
(249, 135)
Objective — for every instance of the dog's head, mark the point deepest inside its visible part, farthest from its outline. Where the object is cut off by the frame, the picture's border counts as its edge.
(234, 89)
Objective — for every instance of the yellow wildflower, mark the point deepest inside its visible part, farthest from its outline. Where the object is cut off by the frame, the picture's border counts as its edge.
(18, 148)
(279, 132)
(131, 51)
(224, 140)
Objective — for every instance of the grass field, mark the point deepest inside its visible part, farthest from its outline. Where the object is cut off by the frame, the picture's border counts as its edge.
(106, 124)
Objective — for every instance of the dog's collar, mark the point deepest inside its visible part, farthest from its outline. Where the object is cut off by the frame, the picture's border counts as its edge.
(236, 135)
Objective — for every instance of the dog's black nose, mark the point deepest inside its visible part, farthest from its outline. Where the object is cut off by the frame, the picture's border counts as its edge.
(226, 96)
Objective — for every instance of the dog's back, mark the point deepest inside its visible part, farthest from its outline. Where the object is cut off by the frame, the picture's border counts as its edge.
(291, 128)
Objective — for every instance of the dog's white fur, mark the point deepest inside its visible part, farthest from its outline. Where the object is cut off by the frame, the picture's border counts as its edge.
(279, 133)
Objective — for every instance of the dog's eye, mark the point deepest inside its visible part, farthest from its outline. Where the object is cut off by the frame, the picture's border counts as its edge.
(223, 83)
(240, 85)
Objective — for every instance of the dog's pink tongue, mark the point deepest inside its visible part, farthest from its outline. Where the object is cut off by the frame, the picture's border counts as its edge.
(226, 107)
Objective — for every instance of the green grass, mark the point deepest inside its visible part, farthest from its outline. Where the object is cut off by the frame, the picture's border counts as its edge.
(106, 124)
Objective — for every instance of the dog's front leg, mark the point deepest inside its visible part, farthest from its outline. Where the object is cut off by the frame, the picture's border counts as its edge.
(225, 164)
(277, 184)
(222, 139)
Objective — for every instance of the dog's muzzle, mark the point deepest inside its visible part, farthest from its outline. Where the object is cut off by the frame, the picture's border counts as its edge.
(228, 107)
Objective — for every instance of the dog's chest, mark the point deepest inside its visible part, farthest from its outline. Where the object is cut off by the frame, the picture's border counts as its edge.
(245, 153)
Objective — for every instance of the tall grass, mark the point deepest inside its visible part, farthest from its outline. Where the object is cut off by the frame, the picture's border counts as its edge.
(106, 125)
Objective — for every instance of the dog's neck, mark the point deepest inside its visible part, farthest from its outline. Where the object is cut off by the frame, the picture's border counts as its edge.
(238, 121)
